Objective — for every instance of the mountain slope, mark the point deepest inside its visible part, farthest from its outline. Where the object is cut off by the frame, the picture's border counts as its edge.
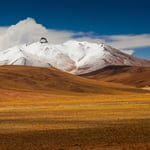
(72, 56)
(129, 75)
(51, 80)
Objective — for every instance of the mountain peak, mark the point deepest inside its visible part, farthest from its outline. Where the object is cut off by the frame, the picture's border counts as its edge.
(75, 57)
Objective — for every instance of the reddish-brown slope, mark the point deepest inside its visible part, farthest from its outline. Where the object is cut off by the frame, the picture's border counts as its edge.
(52, 80)
(129, 75)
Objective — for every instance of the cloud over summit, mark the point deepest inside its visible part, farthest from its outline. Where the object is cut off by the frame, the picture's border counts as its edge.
(28, 31)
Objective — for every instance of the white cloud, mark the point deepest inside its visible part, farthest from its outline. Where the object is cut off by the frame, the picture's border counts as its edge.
(3, 30)
(129, 52)
(129, 41)
(28, 31)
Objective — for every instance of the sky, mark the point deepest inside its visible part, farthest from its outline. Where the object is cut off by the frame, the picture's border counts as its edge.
(123, 24)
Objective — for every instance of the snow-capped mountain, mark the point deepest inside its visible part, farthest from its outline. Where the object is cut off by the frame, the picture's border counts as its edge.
(72, 56)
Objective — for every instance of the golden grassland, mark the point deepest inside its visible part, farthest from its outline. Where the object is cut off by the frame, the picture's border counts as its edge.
(52, 121)
(45, 109)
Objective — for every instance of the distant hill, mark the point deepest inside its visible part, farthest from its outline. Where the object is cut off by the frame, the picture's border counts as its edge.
(128, 75)
(25, 78)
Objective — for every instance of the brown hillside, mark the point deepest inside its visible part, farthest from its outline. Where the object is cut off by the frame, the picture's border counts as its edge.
(51, 80)
(128, 75)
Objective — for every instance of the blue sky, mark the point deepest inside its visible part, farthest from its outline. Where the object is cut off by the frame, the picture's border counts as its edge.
(98, 17)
